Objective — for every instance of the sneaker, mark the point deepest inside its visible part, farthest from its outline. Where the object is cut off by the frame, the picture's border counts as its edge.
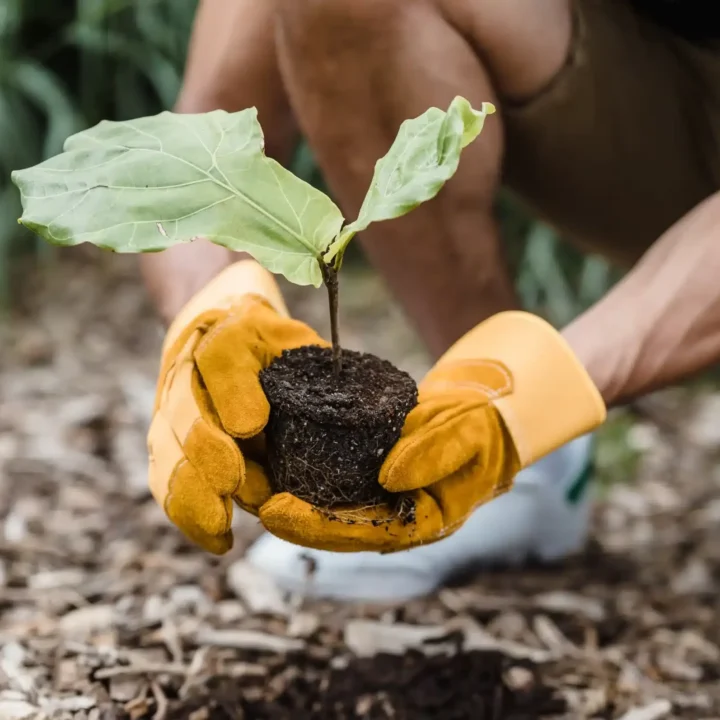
(544, 517)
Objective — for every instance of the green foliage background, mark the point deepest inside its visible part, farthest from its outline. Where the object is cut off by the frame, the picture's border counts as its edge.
(65, 65)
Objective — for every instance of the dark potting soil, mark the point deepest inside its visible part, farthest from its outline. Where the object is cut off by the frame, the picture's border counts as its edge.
(328, 436)
(467, 686)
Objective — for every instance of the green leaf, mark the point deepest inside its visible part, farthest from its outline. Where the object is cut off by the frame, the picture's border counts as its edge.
(147, 184)
(424, 156)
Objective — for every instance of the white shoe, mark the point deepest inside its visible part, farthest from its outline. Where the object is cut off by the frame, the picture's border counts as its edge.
(545, 516)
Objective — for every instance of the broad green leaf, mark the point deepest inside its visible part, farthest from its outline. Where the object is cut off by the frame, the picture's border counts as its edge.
(424, 156)
(147, 184)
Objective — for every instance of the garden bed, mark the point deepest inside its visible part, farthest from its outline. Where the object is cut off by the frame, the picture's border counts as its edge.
(106, 612)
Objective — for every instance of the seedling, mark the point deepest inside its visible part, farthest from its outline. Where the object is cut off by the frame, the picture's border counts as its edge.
(148, 184)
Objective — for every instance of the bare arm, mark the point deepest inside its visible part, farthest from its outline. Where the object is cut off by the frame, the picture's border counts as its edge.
(231, 65)
(661, 324)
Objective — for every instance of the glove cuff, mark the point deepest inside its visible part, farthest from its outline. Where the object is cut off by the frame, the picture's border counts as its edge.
(553, 400)
(245, 277)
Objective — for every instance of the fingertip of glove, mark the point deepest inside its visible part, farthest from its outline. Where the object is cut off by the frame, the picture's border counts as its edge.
(249, 419)
(214, 544)
(281, 504)
(399, 473)
(241, 404)
(392, 480)
(220, 548)
(254, 491)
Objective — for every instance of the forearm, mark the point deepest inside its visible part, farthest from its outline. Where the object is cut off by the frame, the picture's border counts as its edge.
(661, 323)
(173, 276)
(231, 66)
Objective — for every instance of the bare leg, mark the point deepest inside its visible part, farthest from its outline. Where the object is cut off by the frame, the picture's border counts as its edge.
(231, 65)
(355, 69)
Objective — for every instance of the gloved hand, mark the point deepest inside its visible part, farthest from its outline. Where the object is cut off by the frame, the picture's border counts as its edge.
(506, 394)
(205, 441)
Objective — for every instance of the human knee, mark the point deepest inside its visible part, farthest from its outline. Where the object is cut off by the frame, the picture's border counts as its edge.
(340, 19)
(523, 43)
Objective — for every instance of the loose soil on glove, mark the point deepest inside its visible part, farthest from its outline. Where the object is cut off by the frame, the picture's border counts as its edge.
(328, 436)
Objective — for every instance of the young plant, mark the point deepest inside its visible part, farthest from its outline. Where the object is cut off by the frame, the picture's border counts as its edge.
(145, 185)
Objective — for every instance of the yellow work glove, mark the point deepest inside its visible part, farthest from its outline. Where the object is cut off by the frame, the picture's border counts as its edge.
(506, 394)
(205, 441)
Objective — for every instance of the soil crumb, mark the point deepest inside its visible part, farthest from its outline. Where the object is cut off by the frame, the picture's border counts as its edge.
(328, 436)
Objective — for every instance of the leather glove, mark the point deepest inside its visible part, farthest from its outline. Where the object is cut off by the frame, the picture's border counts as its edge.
(205, 440)
(506, 394)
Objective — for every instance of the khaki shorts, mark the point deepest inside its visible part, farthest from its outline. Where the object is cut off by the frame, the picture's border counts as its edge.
(626, 138)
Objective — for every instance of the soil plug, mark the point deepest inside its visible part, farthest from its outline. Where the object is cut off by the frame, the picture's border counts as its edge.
(329, 434)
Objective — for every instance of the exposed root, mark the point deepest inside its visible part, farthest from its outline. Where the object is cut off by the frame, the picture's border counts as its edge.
(401, 507)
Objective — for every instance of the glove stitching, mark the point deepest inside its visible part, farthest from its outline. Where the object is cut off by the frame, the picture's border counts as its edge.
(485, 390)
(212, 491)
(168, 380)
(471, 362)
(238, 464)
(232, 316)
(239, 311)
(509, 418)
(171, 482)
(235, 313)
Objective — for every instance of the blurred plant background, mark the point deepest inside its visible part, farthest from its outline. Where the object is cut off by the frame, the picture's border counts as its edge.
(67, 65)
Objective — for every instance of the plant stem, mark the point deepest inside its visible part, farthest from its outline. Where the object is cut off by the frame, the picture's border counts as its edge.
(331, 282)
